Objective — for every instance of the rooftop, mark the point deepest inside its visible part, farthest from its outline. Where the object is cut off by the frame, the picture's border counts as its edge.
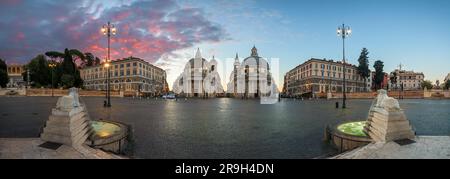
(131, 58)
(322, 60)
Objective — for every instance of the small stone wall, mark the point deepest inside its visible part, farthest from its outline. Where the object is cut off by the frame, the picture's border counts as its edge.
(372, 95)
(62, 92)
(436, 94)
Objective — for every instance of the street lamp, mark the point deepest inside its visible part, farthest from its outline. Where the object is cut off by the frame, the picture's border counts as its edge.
(343, 32)
(108, 30)
(52, 66)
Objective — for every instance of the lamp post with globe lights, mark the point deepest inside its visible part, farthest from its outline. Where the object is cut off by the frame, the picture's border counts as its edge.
(108, 30)
(52, 67)
(344, 32)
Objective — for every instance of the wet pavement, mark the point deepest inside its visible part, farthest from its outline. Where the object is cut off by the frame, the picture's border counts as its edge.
(221, 128)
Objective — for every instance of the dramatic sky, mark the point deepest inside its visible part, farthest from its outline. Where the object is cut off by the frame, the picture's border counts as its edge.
(415, 33)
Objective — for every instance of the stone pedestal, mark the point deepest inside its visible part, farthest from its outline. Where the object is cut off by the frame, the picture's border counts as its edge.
(387, 121)
(68, 124)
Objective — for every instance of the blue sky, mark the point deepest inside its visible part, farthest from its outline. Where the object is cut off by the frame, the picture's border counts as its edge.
(415, 33)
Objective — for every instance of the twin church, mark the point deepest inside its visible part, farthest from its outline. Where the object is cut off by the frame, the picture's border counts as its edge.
(249, 79)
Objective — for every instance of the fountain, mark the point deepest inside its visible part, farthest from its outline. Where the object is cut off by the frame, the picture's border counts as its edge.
(386, 122)
(347, 136)
(69, 124)
(109, 136)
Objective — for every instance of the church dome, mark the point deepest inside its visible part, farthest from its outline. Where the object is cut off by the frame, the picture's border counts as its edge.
(254, 59)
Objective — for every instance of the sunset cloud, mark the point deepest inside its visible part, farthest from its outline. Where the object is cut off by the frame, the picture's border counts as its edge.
(146, 29)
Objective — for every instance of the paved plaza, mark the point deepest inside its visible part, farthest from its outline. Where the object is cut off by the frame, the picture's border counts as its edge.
(425, 147)
(28, 148)
(221, 128)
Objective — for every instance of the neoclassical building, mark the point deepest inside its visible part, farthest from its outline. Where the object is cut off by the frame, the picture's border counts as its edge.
(15, 76)
(320, 76)
(409, 79)
(251, 78)
(128, 75)
(199, 78)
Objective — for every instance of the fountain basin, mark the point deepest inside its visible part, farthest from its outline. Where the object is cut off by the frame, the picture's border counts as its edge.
(353, 128)
(348, 136)
(109, 136)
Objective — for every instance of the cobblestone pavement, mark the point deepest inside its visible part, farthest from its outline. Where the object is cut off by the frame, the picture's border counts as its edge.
(221, 128)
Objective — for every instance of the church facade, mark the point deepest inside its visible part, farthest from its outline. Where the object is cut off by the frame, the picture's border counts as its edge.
(199, 78)
(251, 78)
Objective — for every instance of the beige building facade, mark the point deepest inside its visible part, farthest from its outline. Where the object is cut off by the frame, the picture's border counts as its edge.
(409, 79)
(128, 75)
(15, 76)
(322, 76)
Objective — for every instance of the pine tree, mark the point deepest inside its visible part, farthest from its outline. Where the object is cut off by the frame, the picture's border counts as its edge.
(379, 73)
(4, 79)
(363, 68)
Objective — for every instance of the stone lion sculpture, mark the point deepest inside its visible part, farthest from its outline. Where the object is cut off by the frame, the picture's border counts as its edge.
(70, 101)
(386, 102)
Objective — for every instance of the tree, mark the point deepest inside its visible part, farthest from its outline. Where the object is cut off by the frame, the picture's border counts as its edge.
(393, 78)
(54, 54)
(77, 56)
(4, 79)
(379, 74)
(97, 61)
(90, 59)
(67, 80)
(447, 85)
(363, 68)
(426, 84)
(40, 73)
(69, 67)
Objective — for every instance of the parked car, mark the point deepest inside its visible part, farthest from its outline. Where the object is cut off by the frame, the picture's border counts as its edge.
(169, 96)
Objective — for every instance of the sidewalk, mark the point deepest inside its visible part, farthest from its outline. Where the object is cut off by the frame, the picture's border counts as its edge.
(426, 147)
(28, 148)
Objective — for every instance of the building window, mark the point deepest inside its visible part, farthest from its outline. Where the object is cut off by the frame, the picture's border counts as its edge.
(128, 64)
(128, 72)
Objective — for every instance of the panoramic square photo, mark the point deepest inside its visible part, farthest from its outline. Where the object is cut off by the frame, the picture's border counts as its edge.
(247, 83)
